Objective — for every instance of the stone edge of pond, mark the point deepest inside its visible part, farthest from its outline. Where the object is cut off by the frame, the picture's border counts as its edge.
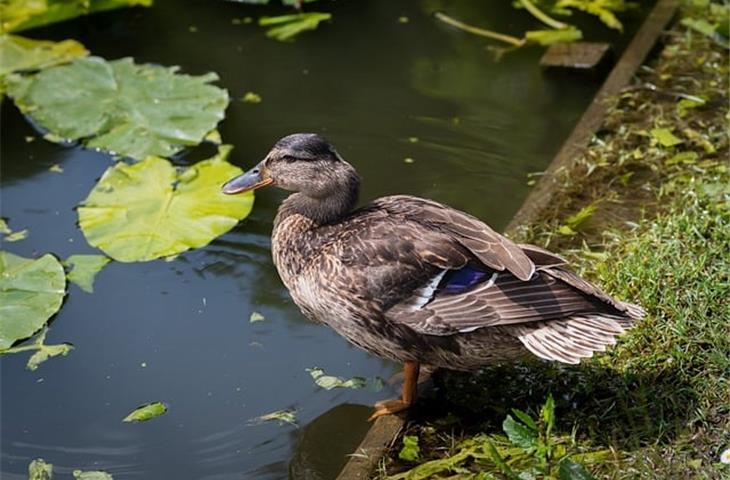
(385, 430)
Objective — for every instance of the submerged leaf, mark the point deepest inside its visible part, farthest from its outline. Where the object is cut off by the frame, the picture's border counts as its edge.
(146, 412)
(20, 54)
(92, 475)
(286, 27)
(24, 14)
(30, 292)
(149, 210)
(549, 37)
(84, 268)
(40, 470)
(410, 451)
(281, 416)
(329, 382)
(121, 107)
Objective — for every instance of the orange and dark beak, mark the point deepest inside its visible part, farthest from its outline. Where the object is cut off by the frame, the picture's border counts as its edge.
(251, 180)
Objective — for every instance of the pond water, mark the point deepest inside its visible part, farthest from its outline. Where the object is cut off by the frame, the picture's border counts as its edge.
(179, 331)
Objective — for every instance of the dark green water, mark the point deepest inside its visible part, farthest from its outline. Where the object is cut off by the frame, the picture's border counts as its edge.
(368, 83)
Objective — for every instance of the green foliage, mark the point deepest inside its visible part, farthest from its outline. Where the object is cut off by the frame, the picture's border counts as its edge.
(20, 54)
(151, 209)
(605, 10)
(665, 137)
(549, 37)
(256, 317)
(146, 412)
(30, 292)
(38, 469)
(19, 15)
(286, 27)
(410, 452)
(574, 222)
(328, 382)
(84, 269)
(121, 107)
(92, 475)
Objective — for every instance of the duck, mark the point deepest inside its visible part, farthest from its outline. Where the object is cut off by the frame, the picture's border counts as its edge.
(418, 282)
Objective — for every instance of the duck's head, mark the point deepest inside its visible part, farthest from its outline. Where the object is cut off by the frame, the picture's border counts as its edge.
(302, 162)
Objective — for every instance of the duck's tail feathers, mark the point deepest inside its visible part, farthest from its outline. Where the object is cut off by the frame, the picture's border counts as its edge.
(576, 337)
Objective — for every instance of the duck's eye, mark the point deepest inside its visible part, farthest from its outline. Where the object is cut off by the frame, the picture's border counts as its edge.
(289, 158)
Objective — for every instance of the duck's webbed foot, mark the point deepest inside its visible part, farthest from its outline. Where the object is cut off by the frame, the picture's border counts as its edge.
(408, 397)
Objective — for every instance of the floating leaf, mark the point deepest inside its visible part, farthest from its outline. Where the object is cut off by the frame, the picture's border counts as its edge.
(256, 317)
(24, 14)
(286, 27)
(549, 37)
(251, 97)
(281, 416)
(149, 210)
(92, 475)
(4, 227)
(665, 137)
(23, 54)
(329, 382)
(84, 268)
(17, 236)
(40, 470)
(30, 292)
(119, 106)
(410, 451)
(55, 168)
(570, 470)
(146, 412)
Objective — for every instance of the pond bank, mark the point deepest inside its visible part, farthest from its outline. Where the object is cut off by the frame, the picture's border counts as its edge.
(646, 213)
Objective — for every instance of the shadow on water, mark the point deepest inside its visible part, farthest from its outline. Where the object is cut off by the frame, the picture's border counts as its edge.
(623, 410)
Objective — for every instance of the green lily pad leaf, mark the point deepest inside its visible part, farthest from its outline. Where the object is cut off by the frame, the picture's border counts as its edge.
(286, 27)
(121, 107)
(410, 451)
(146, 412)
(24, 14)
(150, 209)
(30, 292)
(665, 137)
(281, 416)
(42, 351)
(23, 54)
(40, 470)
(92, 475)
(256, 317)
(84, 269)
(548, 37)
(328, 382)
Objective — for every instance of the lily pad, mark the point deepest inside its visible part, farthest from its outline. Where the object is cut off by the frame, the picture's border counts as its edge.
(328, 382)
(151, 209)
(30, 292)
(24, 14)
(146, 412)
(121, 107)
(84, 268)
(92, 475)
(21, 54)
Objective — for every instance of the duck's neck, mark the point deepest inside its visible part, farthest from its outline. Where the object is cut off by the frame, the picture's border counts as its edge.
(325, 209)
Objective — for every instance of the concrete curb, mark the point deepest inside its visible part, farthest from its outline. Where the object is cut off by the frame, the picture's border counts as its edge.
(386, 429)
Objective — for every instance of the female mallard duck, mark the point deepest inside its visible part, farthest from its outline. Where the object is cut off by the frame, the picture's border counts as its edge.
(418, 282)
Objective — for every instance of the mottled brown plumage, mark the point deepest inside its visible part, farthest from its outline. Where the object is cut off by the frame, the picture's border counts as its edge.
(415, 281)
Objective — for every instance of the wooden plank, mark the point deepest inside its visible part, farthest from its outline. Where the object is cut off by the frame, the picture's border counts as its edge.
(593, 117)
(384, 431)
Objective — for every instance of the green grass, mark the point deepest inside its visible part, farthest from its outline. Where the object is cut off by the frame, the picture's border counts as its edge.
(650, 222)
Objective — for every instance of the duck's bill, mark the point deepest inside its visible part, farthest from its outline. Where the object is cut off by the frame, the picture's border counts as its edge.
(244, 183)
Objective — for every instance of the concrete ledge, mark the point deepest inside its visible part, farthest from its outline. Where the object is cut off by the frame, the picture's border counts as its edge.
(386, 429)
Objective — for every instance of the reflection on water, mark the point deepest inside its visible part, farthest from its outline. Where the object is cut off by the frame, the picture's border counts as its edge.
(178, 331)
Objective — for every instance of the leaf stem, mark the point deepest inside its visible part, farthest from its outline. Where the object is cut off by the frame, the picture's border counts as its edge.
(518, 42)
(542, 16)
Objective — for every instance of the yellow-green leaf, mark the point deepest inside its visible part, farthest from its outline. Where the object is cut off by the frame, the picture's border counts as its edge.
(548, 37)
(30, 292)
(92, 475)
(665, 137)
(145, 412)
(286, 27)
(21, 54)
(150, 209)
(40, 470)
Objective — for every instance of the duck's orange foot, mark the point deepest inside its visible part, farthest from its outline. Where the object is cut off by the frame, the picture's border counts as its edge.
(388, 407)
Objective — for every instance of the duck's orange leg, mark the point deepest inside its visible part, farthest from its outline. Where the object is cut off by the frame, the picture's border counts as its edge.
(408, 397)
